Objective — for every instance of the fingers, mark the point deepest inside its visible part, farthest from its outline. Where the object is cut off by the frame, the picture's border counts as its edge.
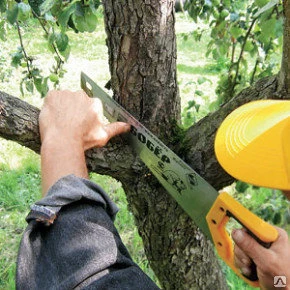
(100, 135)
(281, 240)
(97, 108)
(249, 246)
(117, 128)
(242, 261)
(76, 111)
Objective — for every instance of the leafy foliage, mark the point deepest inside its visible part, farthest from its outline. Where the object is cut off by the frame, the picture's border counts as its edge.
(55, 17)
(269, 204)
(191, 112)
(242, 32)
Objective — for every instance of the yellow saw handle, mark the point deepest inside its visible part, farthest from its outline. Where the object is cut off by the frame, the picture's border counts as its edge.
(225, 207)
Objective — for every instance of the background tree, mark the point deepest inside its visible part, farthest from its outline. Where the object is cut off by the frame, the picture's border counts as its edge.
(142, 59)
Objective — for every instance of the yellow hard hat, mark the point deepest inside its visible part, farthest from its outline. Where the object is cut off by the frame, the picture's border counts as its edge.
(253, 143)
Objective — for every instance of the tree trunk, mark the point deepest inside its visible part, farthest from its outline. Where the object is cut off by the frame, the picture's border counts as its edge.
(142, 59)
(284, 76)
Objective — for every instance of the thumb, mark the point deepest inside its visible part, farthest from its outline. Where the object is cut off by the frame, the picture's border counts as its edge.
(116, 128)
(249, 246)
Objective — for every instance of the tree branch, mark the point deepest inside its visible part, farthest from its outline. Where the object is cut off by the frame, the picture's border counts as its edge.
(19, 123)
(198, 147)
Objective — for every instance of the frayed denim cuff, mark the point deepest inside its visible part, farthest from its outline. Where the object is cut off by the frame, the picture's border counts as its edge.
(65, 191)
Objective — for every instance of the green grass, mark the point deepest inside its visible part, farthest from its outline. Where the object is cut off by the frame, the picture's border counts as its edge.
(19, 188)
(20, 169)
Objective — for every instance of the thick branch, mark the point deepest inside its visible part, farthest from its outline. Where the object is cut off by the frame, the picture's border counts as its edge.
(19, 123)
(199, 145)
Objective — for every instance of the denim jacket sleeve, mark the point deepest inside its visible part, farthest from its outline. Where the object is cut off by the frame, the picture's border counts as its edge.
(71, 242)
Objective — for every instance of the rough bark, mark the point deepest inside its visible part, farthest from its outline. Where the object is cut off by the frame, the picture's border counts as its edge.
(19, 122)
(142, 59)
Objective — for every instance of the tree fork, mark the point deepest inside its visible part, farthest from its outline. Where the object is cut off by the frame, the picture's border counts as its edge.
(142, 60)
(173, 245)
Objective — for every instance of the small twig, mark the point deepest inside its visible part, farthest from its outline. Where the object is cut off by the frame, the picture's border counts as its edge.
(233, 52)
(60, 62)
(27, 58)
(254, 72)
(242, 53)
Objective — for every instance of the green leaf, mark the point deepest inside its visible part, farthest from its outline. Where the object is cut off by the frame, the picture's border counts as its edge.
(12, 14)
(199, 93)
(236, 31)
(241, 186)
(214, 106)
(202, 80)
(46, 6)
(94, 5)
(267, 6)
(277, 218)
(191, 104)
(65, 15)
(41, 85)
(29, 85)
(226, 3)
(261, 3)
(224, 48)
(49, 17)
(2, 6)
(249, 46)
(268, 28)
(16, 58)
(65, 53)
(50, 42)
(23, 11)
(35, 5)
(61, 41)
(3, 30)
(279, 27)
(225, 13)
(254, 51)
(86, 21)
(287, 216)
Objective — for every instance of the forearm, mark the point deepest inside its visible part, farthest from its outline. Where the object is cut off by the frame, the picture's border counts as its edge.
(71, 123)
(61, 158)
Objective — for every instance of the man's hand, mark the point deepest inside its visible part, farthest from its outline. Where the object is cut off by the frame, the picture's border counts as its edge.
(75, 116)
(271, 262)
(71, 123)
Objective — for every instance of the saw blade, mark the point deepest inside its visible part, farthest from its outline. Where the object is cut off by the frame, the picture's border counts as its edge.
(190, 190)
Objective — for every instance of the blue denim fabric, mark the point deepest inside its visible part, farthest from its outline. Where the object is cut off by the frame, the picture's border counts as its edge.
(81, 249)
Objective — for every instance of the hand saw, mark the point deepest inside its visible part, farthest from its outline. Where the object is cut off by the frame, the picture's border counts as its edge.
(208, 209)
